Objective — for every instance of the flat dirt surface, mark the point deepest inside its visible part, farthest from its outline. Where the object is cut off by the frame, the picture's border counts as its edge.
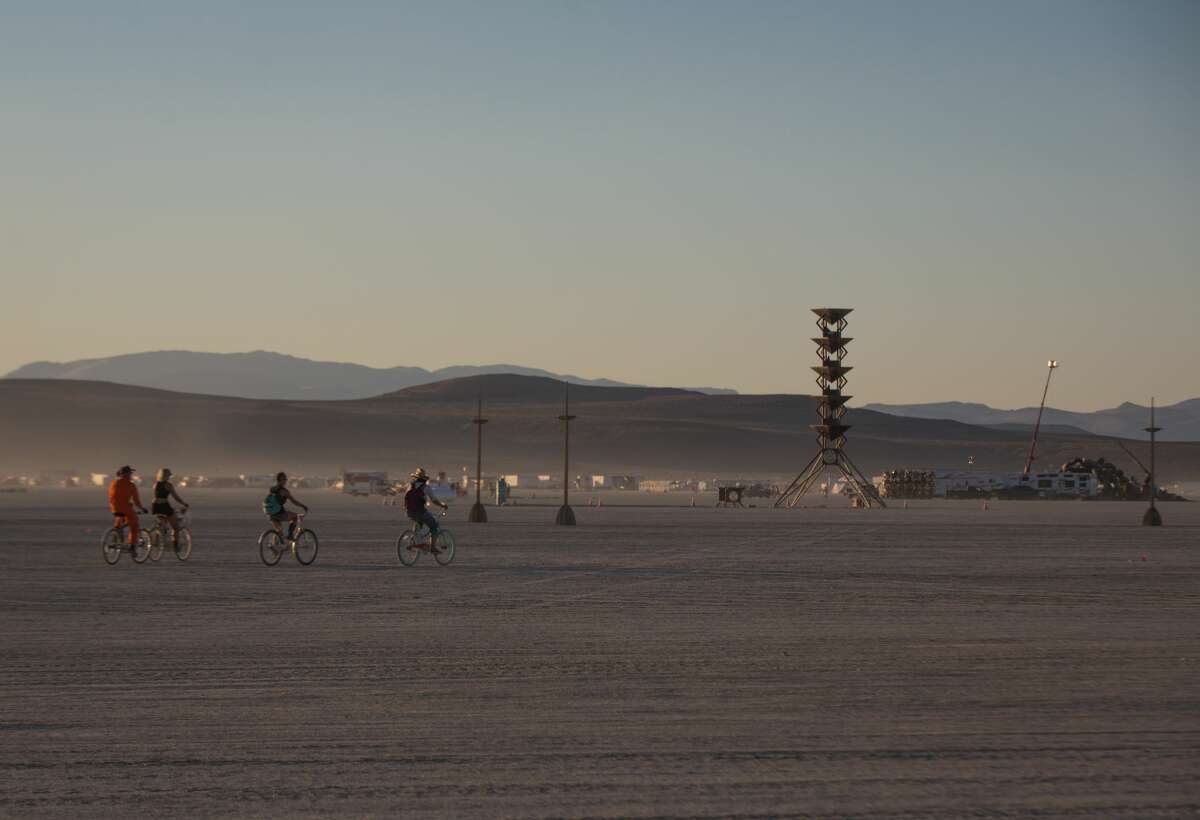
(936, 661)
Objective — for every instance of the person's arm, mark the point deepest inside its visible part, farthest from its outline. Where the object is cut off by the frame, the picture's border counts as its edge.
(296, 501)
(429, 493)
(137, 499)
(175, 495)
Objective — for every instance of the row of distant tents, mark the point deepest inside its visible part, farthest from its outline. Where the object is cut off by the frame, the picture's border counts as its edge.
(1080, 478)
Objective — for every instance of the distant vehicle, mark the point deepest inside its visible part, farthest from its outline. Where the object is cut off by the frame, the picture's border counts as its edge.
(365, 483)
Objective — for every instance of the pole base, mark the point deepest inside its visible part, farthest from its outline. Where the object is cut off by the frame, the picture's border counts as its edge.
(565, 517)
(1152, 518)
(478, 514)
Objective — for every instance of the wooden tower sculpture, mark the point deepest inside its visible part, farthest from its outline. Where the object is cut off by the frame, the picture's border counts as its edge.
(831, 432)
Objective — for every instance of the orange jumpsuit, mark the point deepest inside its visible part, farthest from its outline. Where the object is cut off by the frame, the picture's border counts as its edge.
(124, 500)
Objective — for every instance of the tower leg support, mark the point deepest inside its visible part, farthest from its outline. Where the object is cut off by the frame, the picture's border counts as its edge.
(817, 467)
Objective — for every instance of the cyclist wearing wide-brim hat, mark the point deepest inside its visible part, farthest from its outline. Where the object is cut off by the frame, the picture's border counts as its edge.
(123, 499)
(416, 500)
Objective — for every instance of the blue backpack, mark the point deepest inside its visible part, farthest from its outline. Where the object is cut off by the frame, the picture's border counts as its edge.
(272, 505)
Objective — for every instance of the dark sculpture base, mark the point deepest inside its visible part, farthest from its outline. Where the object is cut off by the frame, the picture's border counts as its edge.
(565, 517)
(1152, 517)
(478, 514)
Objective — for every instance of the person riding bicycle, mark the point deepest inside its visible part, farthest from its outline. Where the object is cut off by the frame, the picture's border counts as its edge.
(123, 499)
(415, 501)
(164, 491)
(273, 506)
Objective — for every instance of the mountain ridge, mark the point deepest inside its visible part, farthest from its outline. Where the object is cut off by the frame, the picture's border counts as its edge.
(1180, 421)
(263, 374)
(657, 432)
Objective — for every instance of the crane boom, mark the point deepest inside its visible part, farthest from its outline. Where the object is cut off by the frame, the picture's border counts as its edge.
(1051, 365)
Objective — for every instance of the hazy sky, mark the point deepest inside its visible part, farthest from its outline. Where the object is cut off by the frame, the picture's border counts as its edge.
(653, 191)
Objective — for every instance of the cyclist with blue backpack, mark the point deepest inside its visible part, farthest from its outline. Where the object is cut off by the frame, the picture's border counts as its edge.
(273, 506)
(415, 500)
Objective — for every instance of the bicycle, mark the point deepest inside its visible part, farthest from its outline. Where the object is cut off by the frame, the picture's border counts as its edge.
(303, 544)
(415, 540)
(161, 531)
(114, 542)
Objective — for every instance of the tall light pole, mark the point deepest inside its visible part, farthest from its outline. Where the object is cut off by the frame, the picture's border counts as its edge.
(1051, 365)
(1152, 517)
(566, 516)
(478, 513)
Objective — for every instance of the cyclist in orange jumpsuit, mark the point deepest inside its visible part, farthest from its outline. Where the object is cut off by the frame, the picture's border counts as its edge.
(123, 498)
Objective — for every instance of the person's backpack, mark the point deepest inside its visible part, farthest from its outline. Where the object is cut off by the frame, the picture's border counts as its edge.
(271, 504)
(414, 500)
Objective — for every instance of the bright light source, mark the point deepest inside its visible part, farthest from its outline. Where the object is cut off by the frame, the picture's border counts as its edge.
(1052, 363)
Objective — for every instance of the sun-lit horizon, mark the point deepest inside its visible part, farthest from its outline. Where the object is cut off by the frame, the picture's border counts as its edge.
(655, 194)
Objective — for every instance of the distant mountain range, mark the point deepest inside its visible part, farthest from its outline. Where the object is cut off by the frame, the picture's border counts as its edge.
(265, 375)
(1180, 422)
(656, 432)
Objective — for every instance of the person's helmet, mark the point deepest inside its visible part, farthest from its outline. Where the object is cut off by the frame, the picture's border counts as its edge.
(419, 474)
(281, 476)
(126, 470)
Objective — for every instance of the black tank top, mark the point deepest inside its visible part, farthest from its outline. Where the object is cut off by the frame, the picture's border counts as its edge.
(161, 491)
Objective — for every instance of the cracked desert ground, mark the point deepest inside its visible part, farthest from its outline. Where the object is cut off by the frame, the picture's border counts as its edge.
(1033, 659)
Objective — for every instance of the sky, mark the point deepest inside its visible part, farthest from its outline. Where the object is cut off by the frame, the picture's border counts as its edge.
(651, 192)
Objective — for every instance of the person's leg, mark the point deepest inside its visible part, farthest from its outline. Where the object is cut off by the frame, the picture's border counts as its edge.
(134, 527)
(430, 521)
(173, 520)
(291, 525)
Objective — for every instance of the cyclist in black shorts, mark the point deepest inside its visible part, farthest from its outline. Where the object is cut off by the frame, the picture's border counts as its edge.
(164, 491)
(277, 497)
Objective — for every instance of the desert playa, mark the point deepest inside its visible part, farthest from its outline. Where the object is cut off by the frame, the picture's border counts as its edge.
(934, 661)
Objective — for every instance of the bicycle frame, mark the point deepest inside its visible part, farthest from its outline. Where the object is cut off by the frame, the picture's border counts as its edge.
(162, 523)
(296, 530)
(422, 535)
(121, 525)
(122, 533)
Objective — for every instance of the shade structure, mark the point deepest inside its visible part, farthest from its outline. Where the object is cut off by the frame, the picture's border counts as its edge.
(831, 372)
(833, 343)
(835, 400)
(832, 316)
(832, 430)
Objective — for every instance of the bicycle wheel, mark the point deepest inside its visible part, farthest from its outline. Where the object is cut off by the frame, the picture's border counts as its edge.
(305, 547)
(183, 543)
(139, 550)
(406, 548)
(156, 544)
(110, 546)
(270, 547)
(445, 547)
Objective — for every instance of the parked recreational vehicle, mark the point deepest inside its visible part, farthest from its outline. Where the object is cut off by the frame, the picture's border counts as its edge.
(1057, 485)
